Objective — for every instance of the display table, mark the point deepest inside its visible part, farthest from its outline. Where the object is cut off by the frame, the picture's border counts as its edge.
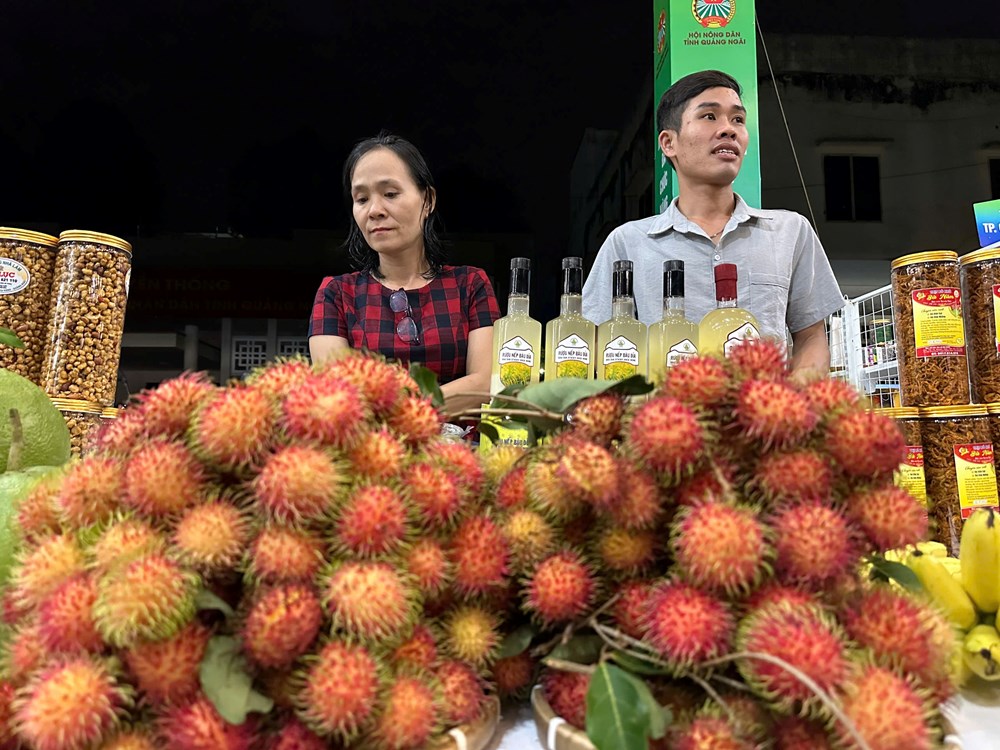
(976, 716)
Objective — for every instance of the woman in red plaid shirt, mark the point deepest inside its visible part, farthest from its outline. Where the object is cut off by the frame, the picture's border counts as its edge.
(403, 301)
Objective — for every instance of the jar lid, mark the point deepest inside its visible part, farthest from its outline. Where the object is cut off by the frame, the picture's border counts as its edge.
(76, 404)
(993, 408)
(26, 235)
(930, 256)
(958, 410)
(77, 235)
(987, 253)
(899, 412)
(110, 412)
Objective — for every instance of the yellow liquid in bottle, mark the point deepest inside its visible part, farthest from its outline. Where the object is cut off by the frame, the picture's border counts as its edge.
(621, 343)
(671, 340)
(569, 342)
(725, 327)
(517, 345)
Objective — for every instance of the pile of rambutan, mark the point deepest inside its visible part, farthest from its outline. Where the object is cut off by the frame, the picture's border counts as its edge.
(299, 560)
(714, 534)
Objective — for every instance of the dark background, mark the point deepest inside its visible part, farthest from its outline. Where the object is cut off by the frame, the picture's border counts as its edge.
(139, 119)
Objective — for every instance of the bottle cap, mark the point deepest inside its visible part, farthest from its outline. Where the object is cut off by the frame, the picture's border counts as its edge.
(520, 263)
(572, 262)
(572, 272)
(725, 281)
(725, 272)
(621, 281)
(673, 278)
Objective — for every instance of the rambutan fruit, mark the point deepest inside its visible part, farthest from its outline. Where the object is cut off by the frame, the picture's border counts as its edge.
(23, 653)
(37, 514)
(589, 472)
(710, 485)
(598, 419)
(773, 592)
(281, 625)
(814, 542)
(197, 725)
(630, 607)
(166, 410)
(119, 436)
(409, 715)
(72, 704)
(748, 715)
(282, 554)
(8, 740)
(166, 671)
(90, 491)
(459, 461)
(148, 598)
(500, 461)
(530, 537)
(773, 414)
(804, 637)
(758, 359)
(479, 555)
(471, 634)
(131, 739)
(418, 652)
(373, 521)
(294, 735)
(299, 483)
(639, 502)
(280, 376)
(686, 625)
(720, 546)
(887, 710)
(792, 476)
(666, 436)
(427, 562)
(879, 614)
(562, 587)
(511, 492)
(235, 428)
(380, 383)
(123, 541)
(211, 537)
(163, 478)
(340, 690)
(65, 622)
(830, 397)
(45, 567)
(708, 730)
(378, 456)
(415, 420)
(566, 694)
(327, 410)
(888, 515)
(699, 382)
(514, 675)
(625, 552)
(865, 445)
(798, 733)
(435, 494)
(369, 600)
(463, 692)
(546, 491)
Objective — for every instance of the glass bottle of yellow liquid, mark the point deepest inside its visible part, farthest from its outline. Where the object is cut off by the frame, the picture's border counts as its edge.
(673, 338)
(517, 337)
(621, 341)
(569, 339)
(729, 324)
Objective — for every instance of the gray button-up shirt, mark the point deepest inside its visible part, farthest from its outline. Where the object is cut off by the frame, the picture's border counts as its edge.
(785, 279)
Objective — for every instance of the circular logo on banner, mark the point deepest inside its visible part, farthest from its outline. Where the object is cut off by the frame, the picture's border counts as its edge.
(713, 14)
(661, 33)
(13, 276)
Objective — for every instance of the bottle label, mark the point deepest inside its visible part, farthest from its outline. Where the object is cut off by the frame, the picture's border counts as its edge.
(996, 316)
(572, 358)
(14, 276)
(680, 351)
(937, 322)
(910, 475)
(516, 359)
(621, 359)
(746, 332)
(977, 477)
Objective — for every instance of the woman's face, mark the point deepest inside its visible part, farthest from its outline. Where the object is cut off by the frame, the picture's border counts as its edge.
(389, 208)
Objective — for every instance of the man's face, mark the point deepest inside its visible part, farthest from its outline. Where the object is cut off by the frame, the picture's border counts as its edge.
(712, 141)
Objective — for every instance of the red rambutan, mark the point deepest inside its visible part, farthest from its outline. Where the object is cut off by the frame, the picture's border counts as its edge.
(119, 436)
(280, 376)
(566, 694)
(479, 555)
(197, 725)
(163, 478)
(370, 600)
(547, 492)
(409, 715)
(132, 739)
(294, 735)
(530, 538)
(831, 396)
(797, 733)
(710, 485)
(511, 492)
(773, 413)
(865, 444)
(793, 476)
(887, 710)
(415, 420)
(90, 491)
(166, 672)
(282, 555)
(778, 593)
(122, 542)
(630, 607)
(65, 622)
(428, 563)
(24, 653)
(666, 436)
(167, 409)
(699, 382)
(598, 419)
(378, 456)
(211, 537)
(381, 384)
(890, 516)
(463, 692)
(625, 552)
(45, 567)
(562, 587)
(639, 501)
(281, 625)
(327, 410)
(340, 690)
(758, 359)
(459, 461)
(500, 461)
(514, 675)
(434, 492)
(37, 514)
(373, 521)
(686, 625)
(8, 739)
(299, 483)
(814, 543)
(235, 428)
(419, 651)
(589, 472)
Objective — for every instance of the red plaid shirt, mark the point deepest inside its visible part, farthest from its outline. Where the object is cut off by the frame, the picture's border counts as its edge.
(458, 300)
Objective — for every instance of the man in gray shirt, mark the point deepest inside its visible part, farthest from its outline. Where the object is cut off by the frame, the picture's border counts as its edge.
(785, 279)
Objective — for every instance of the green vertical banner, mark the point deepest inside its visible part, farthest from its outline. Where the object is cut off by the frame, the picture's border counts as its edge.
(693, 35)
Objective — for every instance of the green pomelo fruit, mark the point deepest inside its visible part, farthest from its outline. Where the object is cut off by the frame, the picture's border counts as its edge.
(46, 437)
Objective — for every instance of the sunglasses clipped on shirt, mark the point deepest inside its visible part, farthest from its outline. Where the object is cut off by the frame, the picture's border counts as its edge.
(406, 328)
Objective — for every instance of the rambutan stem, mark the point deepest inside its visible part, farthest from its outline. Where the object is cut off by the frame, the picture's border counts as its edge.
(555, 416)
(713, 695)
(568, 666)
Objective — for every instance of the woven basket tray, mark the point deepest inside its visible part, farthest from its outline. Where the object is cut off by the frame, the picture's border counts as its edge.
(473, 736)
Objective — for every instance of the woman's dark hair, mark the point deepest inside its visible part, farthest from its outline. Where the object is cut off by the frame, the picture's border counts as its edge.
(362, 256)
(675, 99)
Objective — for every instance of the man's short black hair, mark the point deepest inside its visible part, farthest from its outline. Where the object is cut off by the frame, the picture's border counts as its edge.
(675, 99)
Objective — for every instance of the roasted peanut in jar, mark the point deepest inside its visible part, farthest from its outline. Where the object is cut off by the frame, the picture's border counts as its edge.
(910, 475)
(27, 260)
(83, 419)
(958, 463)
(87, 317)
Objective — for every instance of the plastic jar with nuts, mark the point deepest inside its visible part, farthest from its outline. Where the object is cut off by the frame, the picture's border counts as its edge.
(27, 260)
(910, 475)
(958, 462)
(981, 302)
(83, 419)
(87, 317)
(930, 331)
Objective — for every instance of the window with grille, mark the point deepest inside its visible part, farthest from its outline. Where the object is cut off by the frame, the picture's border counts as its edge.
(248, 353)
(852, 188)
(293, 346)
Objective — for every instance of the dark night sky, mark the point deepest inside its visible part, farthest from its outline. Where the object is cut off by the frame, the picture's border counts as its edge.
(196, 115)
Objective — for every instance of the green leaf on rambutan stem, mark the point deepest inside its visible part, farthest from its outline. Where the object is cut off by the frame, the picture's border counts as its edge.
(517, 641)
(205, 599)
(621, 712)
(227, 683)
(889, 570)
(581, 649)
(427, 381)
(635, 665)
